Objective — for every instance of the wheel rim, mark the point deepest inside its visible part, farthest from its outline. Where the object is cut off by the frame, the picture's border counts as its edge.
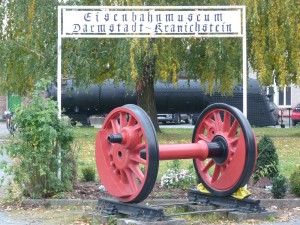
(127, 175)
(223, 122)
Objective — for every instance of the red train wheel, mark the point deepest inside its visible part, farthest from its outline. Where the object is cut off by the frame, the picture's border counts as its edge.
(223, 175)
(124, 172)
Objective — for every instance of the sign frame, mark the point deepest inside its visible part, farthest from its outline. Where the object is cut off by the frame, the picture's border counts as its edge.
(61, 35)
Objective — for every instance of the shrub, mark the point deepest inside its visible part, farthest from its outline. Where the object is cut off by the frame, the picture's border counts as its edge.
(279, 186)
(42, 152)
(88, 173)
(267, 161)
(295, 181)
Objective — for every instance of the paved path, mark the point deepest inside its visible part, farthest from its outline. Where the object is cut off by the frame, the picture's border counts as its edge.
(3, 135)
(5, 218)
(3, 131)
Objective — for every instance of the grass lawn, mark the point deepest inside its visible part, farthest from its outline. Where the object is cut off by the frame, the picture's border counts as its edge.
(287, 143)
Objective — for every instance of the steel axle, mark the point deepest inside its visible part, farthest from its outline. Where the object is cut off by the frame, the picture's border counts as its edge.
(127, 152)
(200, 150)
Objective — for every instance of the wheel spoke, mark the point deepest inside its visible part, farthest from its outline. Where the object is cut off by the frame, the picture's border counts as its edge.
(123, 119)
(203, 137)
(208, 123)
(218, 120)
(226, 122)
(208, 166)
(123, 177)
(140, 147)
(141, 134)
(210, 126)
(115, 126)
(138, 159)
(236, 143)
(233, 141)
(137, 171)
(131, 121)
(216, 173)
(131, 180)
(233, 129)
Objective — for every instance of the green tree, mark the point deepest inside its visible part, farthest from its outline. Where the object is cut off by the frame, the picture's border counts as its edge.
(28, 50)
(27, 44)
(274, 40)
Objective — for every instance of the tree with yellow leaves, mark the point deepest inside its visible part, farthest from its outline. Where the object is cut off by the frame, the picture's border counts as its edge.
(274, 40)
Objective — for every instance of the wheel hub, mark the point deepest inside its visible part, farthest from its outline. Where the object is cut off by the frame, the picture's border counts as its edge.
(223, 152)
(120, 158)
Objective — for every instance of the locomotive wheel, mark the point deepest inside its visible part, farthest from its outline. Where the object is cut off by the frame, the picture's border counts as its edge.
(223, 175)
(125, 174)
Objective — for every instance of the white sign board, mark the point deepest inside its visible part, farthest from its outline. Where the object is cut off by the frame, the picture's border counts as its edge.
(151, 22)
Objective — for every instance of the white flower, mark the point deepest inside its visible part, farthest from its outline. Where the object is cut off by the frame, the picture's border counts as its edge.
(102, 188)
(177, 178)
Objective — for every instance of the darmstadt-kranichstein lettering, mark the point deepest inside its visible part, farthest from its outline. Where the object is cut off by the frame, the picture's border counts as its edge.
(152, 22)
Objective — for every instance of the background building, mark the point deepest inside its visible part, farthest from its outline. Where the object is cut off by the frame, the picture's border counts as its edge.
(285, 98)
(9, 102)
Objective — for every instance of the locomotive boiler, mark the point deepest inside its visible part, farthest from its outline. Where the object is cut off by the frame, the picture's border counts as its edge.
(187, 97)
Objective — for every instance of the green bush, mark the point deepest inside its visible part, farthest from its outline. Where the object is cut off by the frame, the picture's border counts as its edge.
(42, 152)
(279, 186)
(267, 161)
(295, 181)
(88, 173)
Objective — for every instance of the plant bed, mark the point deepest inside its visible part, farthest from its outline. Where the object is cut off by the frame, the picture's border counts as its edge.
(90, 190)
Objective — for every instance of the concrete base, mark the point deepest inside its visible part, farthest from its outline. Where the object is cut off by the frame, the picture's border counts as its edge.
(240, 216)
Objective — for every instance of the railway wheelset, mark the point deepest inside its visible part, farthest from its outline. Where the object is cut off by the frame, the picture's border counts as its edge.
(223, 150)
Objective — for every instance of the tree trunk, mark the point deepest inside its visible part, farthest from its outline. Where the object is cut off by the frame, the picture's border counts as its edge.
(145, 94)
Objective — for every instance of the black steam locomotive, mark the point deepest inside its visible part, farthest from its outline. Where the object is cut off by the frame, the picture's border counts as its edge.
(187, 97)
